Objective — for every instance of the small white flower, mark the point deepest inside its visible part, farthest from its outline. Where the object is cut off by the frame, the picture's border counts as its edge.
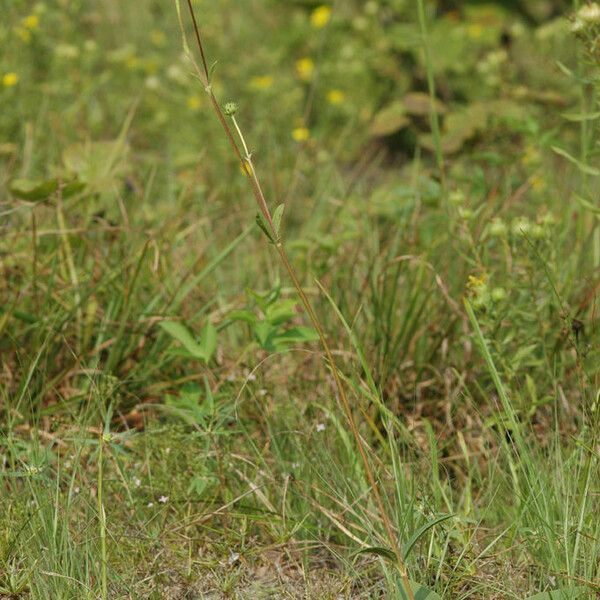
(320, 427)
(295, 465)
(262, 392)
(137, 481)
(251, 377)
(233, 558)
(76, 489)
(163, 499)
(150, 504)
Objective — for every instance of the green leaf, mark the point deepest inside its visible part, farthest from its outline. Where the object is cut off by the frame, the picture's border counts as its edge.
(72, 187)
(420, 592)
(297, 335)
(262, 223)
(277, 217)
(33, 190)
(419, 104)
(415, 536)
(580, 165)
(281, 311)
(181, 333)
(566, 593)
(243, 315)
(208, 341)
(264, 332)
(389, 120)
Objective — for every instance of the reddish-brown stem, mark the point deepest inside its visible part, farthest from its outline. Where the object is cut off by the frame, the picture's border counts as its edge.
(263, 207)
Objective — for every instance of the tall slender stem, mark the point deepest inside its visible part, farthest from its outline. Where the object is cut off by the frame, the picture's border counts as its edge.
(102, 518)
(247, 165)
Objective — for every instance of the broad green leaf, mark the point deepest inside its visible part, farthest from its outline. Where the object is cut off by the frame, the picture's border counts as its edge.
(567, 593)
(281, 311)
(389, 120)
(181, 333)
(419, 104)
(33, 190)
(243, 315)
(580, 165)
(297, 335)
(277, 217)
(577, 118)
(264, 331)
(208, 341)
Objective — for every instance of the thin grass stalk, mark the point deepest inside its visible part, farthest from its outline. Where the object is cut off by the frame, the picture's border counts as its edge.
(248, 167)
(102, 518)
(433, 114)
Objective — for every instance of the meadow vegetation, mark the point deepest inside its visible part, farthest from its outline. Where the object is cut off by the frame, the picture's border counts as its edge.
(170, 423)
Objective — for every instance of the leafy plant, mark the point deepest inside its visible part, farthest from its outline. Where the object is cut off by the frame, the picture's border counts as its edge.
(201, 348)
(270, 318)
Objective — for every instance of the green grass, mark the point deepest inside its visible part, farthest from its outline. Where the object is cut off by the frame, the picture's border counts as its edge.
(170, 428)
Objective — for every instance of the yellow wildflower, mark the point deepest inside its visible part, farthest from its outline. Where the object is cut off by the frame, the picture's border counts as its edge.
(305, 68)
(335, 97)
(31, 22)
(194, 103)
(300, 134)
(10, 79)
(476, 281)
(320, 16)
(261, 82)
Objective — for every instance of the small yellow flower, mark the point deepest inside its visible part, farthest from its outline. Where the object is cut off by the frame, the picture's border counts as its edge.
(476, 281)
(158, 38)
(305, 68)
(194, 103)
(300, 134)
(31, 22)
(335, 97)
(320, 16)
(10, 79)
(261, 82)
